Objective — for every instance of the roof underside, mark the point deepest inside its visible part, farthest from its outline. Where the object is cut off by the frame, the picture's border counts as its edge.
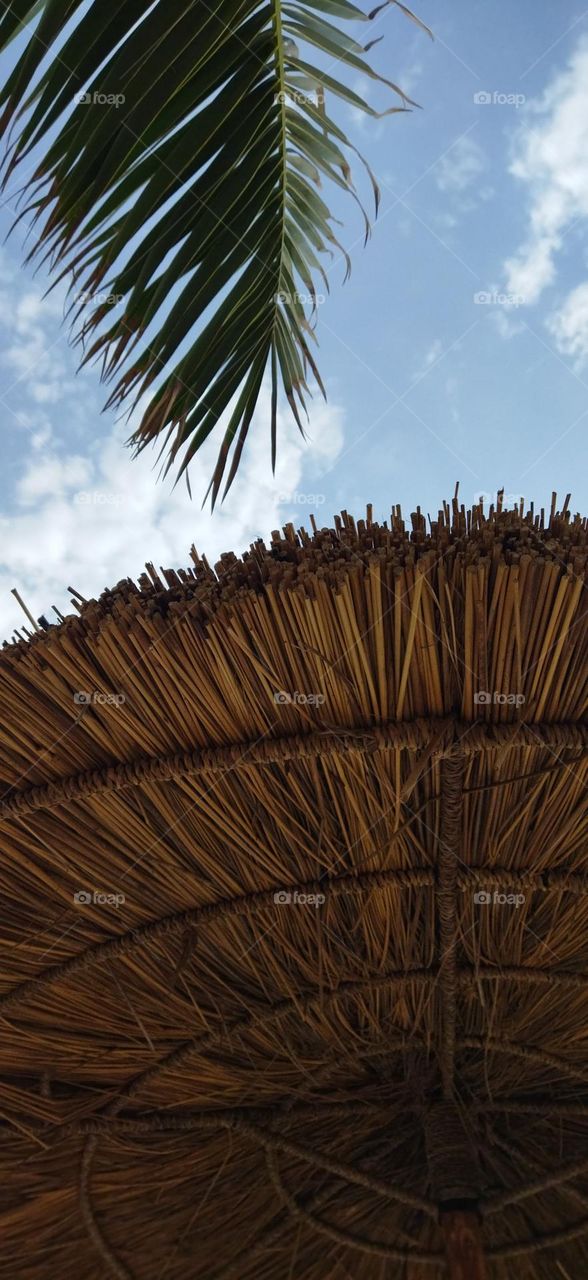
(199, 1079)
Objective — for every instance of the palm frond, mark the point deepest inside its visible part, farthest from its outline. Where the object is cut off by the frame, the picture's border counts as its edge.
(184, 185)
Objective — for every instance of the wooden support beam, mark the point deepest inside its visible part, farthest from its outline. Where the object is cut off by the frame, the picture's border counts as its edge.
(450, 838)
(455, 1180)
(463, 1244)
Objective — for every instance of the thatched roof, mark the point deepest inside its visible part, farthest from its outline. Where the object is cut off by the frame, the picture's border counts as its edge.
(202, 1081)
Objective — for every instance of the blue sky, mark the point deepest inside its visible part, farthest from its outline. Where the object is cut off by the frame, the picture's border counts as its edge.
(427, 383)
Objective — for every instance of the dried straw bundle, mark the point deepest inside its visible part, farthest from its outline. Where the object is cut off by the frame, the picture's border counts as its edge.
(197, 1080)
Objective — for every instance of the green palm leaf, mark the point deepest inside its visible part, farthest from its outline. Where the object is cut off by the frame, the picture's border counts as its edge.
(186, 183)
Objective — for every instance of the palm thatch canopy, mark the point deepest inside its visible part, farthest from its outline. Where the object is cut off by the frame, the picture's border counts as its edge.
(295, 913)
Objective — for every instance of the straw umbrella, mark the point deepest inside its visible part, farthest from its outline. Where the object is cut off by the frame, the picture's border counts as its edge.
(295, 917)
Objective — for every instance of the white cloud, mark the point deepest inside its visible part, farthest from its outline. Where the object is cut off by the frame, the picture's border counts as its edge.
(32, 357)
(51, 477)
(503, 318)
(569, 325)
(361, 121)
(85, 511)
(461, 166)
(434, 351)
(551, 158)
(446, 220)
(430, 357)
(409, 78)
(452, 391)
(91, 520)
(42, 435)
